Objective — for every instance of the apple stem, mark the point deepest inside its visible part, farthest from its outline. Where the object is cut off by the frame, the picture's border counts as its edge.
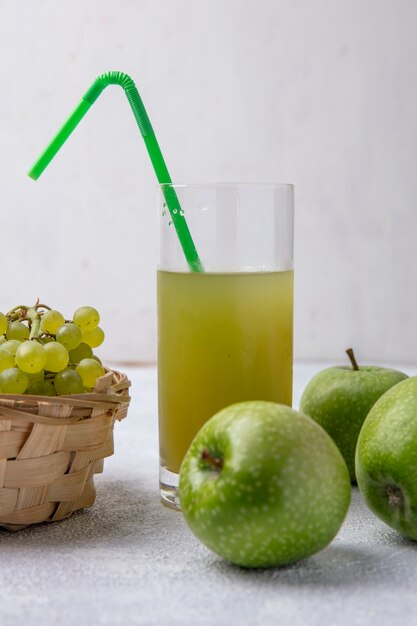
(215, 461)
(395, 496)
(354, 362)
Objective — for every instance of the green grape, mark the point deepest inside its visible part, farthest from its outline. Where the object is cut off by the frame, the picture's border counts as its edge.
(52, 321)
(42, 388)
(89, 370)
(95, 357)
(17, 330)
(69, 335)
(30, 357)
(3, 323)
(2, 339)
(67, 382)
(87, 318)
(82, 352)
(6, 360)
(13, 380)
(11, 346)
(57, 357)
(95, 338)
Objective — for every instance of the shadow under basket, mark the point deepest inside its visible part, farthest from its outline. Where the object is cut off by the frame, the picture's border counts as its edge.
(51, 447)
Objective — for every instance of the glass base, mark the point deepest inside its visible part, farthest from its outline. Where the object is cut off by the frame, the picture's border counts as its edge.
(168, 488)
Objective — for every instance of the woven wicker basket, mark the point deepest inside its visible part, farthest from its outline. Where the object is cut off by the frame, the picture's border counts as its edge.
(51, 447)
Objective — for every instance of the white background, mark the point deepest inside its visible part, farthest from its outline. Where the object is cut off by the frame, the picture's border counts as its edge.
(319, 93)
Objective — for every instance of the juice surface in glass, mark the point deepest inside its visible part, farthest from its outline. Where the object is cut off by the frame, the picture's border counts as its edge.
(222, 338)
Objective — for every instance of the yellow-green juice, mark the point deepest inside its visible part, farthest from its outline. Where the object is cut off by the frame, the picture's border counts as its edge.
(222, 338)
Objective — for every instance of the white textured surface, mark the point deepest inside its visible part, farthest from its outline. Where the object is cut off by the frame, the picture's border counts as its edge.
(129, 560)
(319, 93)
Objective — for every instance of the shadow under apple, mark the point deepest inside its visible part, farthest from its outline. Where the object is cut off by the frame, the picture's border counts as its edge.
(335, 566)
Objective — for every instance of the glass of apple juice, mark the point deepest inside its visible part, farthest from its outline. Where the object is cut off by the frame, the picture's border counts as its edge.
(225, 331)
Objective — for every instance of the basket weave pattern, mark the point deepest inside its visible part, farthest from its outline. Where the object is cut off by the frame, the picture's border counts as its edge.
(51, 447)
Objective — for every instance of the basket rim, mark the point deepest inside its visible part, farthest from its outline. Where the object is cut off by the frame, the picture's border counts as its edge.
(13, 406)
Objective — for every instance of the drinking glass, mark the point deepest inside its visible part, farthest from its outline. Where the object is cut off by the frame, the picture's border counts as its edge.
(225, 334)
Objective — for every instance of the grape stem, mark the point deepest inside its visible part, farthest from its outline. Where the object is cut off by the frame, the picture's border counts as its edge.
(22, 313)
(35, 326)
(17, 308)
(17, 313)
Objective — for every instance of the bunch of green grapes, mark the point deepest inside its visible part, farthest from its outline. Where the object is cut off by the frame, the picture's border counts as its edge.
(42, 353)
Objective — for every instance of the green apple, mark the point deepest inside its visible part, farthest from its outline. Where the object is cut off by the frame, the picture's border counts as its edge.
(386, 458)
(262, 485)
(339, 399)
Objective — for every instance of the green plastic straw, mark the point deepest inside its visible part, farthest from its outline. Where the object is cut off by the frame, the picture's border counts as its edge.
(147, 132)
